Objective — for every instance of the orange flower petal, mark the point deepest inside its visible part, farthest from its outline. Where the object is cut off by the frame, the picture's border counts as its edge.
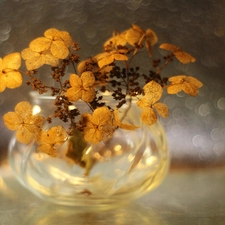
(48, 149)
(153, 90)
(12, 120)
(88, 79)
(59, 49)
(24, 136)
(74, 94)
(148, 116)
(88, 95)
(12, 61)
(161, 109)
(40, 44)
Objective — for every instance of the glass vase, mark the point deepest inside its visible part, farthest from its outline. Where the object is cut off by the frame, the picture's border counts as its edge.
(126, 167)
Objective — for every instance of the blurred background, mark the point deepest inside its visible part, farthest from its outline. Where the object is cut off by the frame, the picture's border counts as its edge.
(196, 126)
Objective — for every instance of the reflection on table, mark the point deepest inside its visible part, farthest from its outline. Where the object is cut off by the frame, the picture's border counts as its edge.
(187, 196)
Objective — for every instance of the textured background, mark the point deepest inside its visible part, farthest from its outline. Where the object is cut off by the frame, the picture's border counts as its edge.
(196, 126)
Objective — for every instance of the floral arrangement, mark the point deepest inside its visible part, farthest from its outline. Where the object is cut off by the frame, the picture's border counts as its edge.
(110, 71)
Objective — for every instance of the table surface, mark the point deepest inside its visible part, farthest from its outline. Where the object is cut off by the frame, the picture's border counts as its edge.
(187, 196)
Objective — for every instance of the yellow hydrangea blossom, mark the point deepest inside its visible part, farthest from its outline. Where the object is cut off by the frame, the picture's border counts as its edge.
(188, 84)
(106, 58)
(98, 126)
(35, 60)
(103, 71)
(81, 87)
(133, 36)
(149, 103)
(26, 124)
(116, 40)
(10, 77)
(182, 56)
(49, 141)
(56, 41)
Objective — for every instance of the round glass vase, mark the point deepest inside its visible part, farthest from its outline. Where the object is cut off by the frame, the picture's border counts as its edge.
(126, 167)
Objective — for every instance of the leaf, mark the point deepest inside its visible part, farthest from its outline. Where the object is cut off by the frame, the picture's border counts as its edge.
(182, 56)
(76, 147)
(88, 160)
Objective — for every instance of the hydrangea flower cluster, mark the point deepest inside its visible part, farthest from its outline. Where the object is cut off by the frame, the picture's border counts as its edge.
(87, 82)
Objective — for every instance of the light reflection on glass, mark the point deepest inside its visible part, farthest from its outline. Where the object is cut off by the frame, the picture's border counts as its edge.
(36, 109)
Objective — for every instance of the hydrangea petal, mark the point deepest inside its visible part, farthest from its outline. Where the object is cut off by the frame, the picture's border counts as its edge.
(161, 109)
(12, 61)
(88, 95)
(148, 116)
(48, 149)
(59, 49)
(12, 121)
(23, 135)
(13, 79)
(88, 78)
(153, 90)
(40, 44)
(73, 94)
(51, 33)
